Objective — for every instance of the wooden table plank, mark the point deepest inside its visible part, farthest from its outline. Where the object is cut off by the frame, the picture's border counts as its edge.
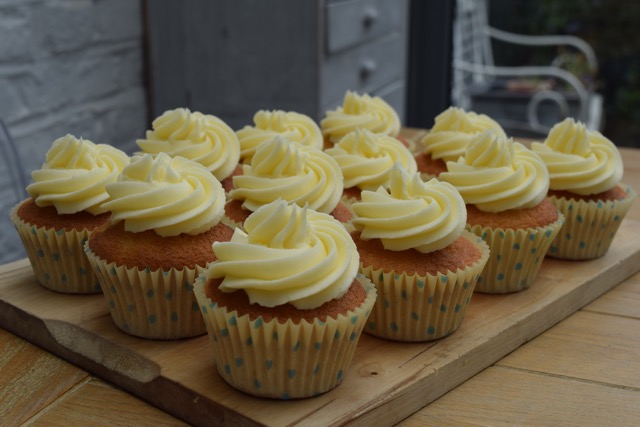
(30, 379)
(501, 396)
(623, 300)
(589, 346)
(98, 403)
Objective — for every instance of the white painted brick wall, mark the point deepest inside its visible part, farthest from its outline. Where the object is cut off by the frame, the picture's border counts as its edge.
(67, 66)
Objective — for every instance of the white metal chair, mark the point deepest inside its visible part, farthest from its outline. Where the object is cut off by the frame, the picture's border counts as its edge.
(475, 74)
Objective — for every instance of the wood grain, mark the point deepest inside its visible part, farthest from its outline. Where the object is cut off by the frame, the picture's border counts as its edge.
(624, 300)
(30, 379)
(502, 396)
(98, 403)
(590, 346)
(387, 381)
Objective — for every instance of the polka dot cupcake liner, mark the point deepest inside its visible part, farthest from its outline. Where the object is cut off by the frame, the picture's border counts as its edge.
(57, 257)
(418, 308)
(590, 226)
(516, 256)
(149, 304)
(283, 360)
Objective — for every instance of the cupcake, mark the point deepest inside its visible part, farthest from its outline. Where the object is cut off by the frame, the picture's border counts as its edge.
(414, 248)
(283, 304)
(585, 170)
(267, 125)
(504, 185)
(202, 138)
(449, 136)
(66, 206)
(366, 160)
(359, 112)
(165, 215)
(296, 173)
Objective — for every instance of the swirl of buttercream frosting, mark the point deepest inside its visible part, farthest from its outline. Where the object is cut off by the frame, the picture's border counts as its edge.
(170, 195)
(498, 174)
(203, 138)
(411, 214)
(293, 126)
(366, 158)
(579, 160)
(296, 173)
(74, 175)
(360, 112)
(452, 131)
(288, 254)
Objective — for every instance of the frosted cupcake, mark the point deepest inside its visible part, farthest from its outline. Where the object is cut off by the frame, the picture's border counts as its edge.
(283, 306)
(585, 170)
(165, 215)
(66, 206)
(202, 138)
(296, 173)
(504, 185)
(366, 160)
(449, 137)
(267, 125)
(414, 248)
(359, 112)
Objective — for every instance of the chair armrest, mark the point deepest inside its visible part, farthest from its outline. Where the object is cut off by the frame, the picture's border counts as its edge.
(555, 40)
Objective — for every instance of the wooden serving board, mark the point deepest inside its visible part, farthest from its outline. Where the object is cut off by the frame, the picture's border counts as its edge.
(386, 382)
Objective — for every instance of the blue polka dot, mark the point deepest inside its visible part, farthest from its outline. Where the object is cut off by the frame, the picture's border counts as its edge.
(258, 323)
(381, 278)
(194, 306)
(275, 336)
(548, 233)
(224, 332)
(169, 296)
(499, 257)
(431, 330)
(600, 205)
(165, 273)
(532, 237)
(339, 376)
(444, 279)
(150, 293)
(372, 325)
(318, 345)
(291, 373)
(387, 303)
(113, 290)
(567, 236)
(353, 336)
(457, 308)
(188, 286)
(420, 284)
(579, 219)
(174, 316)
(130, 308)
(393, 326)
(227, 369)
(285, 396)
(239, 361)
(553, 249)
(55, 256)
(233, 321)
(40, 253)
(316, 370)
(616, 218)
(501, 234)
(443, 308)
(414, 315)
(296, 347)
(534, 250)
(152, 318)
(257, 383)
(336, 335)
(430, 300)
(403, 295)
(269, 364)
(582, 245)
(516, 246)
(465, 285)
(249, 341)
(518, 266)
(354, 319)
(500, 276)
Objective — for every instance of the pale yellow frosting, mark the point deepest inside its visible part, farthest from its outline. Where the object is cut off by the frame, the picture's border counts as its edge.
(293, 126)
(74, 175)
(170, 195)
(412, 214)
(288, 254)
(296, 173)
(580, 161)
(497, 174)
(452, 131)
(360, 112)
(202, 138)
(366, 158)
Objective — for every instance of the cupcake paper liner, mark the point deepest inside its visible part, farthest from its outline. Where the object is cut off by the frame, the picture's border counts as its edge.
(282, 360)
(422, 308)
(590, 226)
(516, 256)
(150, 304)
(57, 257)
